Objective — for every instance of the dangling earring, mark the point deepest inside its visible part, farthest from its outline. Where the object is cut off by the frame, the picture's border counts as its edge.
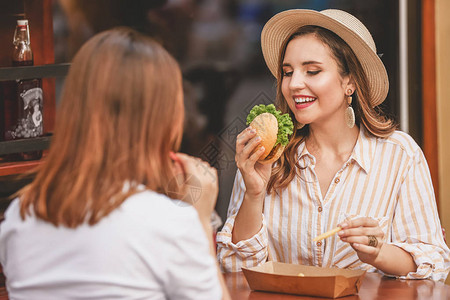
(349, 112)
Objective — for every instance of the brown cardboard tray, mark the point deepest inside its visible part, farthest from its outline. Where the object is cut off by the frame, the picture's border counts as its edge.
(322, 282)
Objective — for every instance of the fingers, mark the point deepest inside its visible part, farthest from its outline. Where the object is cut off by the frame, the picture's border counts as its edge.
(255, 155)
(194, 166)
(360, 239)
(178, 166)
(247, 149)
(200, 186)
(361, 231)
(363, 221)
(247, 142)
(243, 138)
(365, 236)
(365, 249)
(356, 232)
(251, 145)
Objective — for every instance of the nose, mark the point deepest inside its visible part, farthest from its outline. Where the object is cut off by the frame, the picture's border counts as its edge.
(297, 81)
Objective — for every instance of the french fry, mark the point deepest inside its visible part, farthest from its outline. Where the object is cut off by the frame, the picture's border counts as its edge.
(327, 234)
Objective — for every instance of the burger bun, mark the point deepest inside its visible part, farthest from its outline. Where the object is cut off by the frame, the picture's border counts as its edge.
(266, 127)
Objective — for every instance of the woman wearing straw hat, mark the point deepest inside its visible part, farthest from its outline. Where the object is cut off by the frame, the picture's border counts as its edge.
(345, 166)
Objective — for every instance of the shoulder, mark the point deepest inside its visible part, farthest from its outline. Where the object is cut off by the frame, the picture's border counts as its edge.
(13, 207)
(158, 215)
(158, 206)
(12, 213)
(403, 141)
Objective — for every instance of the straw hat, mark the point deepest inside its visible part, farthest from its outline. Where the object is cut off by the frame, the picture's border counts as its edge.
(350, 29)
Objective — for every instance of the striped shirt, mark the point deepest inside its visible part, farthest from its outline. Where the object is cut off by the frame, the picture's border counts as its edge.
(385, 179)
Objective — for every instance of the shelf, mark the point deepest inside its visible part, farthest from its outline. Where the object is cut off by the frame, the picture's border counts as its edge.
(18, 167)
(17, 146)
(29, 72)
(25, 145)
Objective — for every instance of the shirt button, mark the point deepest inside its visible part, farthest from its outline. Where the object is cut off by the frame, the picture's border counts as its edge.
(319, 209)
(319, 244)
(337, 180)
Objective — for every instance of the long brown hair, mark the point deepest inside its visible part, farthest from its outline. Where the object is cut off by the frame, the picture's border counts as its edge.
(371, 118)
(120, 115)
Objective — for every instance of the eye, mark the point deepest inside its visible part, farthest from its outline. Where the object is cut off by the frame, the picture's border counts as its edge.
(313, 72)
(287, 73)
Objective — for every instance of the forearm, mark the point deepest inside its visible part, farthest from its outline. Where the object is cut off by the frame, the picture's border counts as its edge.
(212, 249)
(394, 261)
(248, 220)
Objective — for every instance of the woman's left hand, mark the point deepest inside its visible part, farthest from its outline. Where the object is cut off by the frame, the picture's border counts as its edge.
(365, 236)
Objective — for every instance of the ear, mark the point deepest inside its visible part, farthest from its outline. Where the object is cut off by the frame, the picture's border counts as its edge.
(349, 84)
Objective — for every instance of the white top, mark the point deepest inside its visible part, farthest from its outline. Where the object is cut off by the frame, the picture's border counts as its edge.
(151, 247)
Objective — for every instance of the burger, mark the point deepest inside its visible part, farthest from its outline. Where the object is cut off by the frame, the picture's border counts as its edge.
(273, 128)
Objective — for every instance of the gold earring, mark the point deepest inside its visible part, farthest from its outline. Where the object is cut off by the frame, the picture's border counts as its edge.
(349, 112)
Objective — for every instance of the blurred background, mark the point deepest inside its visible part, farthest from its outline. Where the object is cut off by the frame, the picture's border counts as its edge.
(217, 43)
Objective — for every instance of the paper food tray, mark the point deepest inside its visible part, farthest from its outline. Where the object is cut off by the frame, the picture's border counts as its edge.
(323, 282)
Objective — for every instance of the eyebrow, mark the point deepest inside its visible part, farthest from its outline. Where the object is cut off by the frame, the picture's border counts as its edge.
(305, 63)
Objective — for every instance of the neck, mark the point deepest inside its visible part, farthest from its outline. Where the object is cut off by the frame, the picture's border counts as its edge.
(339, 140)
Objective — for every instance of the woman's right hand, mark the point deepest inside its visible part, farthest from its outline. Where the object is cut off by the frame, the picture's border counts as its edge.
(255, 175)
(200, 184)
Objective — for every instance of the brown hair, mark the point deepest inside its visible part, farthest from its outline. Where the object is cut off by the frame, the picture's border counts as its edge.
(121, 113)
(372, 118)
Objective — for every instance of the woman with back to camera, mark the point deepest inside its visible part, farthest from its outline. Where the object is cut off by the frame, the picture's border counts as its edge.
(96, 222)
(345, 165)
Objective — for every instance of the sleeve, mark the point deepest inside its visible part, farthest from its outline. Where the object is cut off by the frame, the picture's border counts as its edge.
(416, 226)
(246, 253)
(191, 270)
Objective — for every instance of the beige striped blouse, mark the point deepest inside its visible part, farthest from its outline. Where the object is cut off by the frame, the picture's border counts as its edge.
(385, 179)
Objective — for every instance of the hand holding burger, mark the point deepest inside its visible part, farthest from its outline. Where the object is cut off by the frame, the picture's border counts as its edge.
(273, 128)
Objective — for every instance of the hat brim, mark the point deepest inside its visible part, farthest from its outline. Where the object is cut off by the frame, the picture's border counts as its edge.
(284, 24)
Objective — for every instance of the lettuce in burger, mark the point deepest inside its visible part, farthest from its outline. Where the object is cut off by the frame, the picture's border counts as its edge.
(273, 128)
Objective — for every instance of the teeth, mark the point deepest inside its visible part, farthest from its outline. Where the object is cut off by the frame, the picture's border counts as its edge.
(303, 99)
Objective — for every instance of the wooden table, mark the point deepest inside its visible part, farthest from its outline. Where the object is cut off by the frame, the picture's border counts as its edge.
(374, 287)
(3, 293)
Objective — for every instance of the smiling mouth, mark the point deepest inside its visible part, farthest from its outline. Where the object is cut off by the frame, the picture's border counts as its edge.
(302, 100)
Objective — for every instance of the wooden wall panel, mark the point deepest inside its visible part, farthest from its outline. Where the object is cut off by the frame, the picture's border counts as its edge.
(430, 135)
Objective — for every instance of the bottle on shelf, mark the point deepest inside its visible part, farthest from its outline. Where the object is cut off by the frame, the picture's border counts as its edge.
(25, 110)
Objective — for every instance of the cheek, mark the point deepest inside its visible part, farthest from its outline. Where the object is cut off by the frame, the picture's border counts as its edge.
(320, 85)
(286, 91)
(285, 87)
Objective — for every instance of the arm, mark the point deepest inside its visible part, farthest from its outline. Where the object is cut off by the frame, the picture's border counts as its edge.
(249, 218)
(205, 204)
(248, 252)
(255, 176)
(416, 227)
(394, 260)
(212, 251)
(191, 271)
(385, 257)
(244, 236)
(416, 249)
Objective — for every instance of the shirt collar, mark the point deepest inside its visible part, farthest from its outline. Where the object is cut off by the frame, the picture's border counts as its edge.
(305, 159)
(362, 152)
